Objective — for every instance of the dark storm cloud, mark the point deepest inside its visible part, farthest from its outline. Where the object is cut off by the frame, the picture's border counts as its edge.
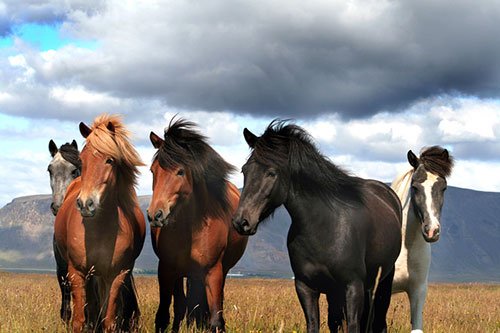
(297, 59)
(286, 58)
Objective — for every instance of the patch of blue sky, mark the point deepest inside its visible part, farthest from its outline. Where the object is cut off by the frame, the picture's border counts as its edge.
(8, 122)
(44, 37)
(6, 42)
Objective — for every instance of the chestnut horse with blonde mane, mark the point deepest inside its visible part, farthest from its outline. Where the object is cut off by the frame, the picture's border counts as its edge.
(190, 215)
(100, 229)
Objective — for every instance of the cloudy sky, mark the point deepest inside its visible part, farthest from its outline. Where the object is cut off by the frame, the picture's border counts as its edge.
(369, 79)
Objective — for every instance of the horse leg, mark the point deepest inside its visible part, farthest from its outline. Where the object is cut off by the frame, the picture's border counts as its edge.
(213, 287)
(308, 298)
(93, 307)
(179, 304)
(62, 279)
(130, 305)
(417, 294)
(355, 297)
(336, 307)
(381, 303)
(197, 302)
(166, 283)
(77, 282)
(113, 319)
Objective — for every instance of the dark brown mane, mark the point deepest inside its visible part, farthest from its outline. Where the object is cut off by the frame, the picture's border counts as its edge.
(437, 160)
(185, 146)
(71, 154)
(290, 148)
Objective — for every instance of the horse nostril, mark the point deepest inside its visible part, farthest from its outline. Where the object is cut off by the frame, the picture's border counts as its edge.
(54, 208)
(90, 204)
(158, 215)
(426, 228)
(79, 203)
(245, 224)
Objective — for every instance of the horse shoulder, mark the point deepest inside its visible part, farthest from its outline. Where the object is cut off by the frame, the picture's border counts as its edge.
(134, 227)
(73, 187)
(66, 217)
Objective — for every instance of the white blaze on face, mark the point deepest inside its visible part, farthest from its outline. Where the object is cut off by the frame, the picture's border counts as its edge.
(429, 204)
(60, 177)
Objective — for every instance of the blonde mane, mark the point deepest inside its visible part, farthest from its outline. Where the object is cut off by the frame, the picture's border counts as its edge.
(401, 185)
(116, 145)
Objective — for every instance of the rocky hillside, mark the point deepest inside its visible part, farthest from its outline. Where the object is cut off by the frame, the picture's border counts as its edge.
(467, 251)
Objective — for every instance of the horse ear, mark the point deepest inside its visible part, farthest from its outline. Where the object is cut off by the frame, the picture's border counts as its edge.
(52, 148)
(250, 138)
(85, 130)
(155, 140)
(445, 155)
(413, 159)
(74, 144)
(111, 127)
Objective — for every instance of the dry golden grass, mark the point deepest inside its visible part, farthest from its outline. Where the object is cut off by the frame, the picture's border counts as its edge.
(30, 303)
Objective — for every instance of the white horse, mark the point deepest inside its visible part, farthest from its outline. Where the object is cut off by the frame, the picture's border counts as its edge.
(421, 191)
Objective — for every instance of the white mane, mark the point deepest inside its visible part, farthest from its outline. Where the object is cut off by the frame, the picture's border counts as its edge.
(401, 185)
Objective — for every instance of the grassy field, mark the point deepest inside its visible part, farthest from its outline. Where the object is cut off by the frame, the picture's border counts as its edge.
(30, 303)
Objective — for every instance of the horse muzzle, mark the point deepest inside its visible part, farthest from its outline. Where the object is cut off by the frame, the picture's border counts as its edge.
(431, 235)
(160, 218)
(87, 209)
(243, 227)
(54, 208)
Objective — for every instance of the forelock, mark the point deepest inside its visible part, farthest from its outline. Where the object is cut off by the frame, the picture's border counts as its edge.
(436, 160)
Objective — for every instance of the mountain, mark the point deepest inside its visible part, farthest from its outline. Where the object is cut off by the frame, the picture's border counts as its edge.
(467, 251)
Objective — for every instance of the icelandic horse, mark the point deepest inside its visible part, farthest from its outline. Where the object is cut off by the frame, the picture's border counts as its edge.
(345, 233)
(64, 167)
(190, 216)
(100, 229)
(421, 191)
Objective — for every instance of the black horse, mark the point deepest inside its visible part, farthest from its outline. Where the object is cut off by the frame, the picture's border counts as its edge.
(345, 234)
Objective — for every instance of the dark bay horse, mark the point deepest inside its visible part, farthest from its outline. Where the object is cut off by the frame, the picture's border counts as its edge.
(190, 215)
(421, 190)
(100, 229)
(345, 231)
(64, 167)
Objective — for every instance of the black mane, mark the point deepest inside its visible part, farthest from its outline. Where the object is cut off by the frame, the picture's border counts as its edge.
(185, 146)
(71, 154)
(288, 146)
(437, 160)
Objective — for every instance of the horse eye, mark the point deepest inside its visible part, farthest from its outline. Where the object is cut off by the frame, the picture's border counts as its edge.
(75, 173)
(271, 173)
(109, 161)
(180, 172)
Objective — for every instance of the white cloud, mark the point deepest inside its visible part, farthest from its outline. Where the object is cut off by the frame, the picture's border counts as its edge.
(470, 121)
(78, 95)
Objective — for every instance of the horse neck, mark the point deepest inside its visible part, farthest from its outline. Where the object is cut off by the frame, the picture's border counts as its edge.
(401, 185)
(205, 202)
(410, 225)
(125, 197)
(299, 205)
